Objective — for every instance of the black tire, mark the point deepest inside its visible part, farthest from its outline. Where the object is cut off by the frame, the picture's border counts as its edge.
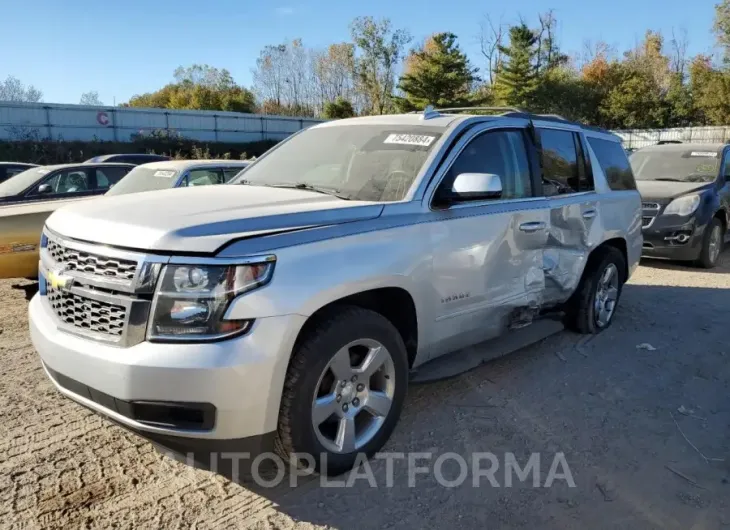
(580, 309)
(706, 259)
(311, 356)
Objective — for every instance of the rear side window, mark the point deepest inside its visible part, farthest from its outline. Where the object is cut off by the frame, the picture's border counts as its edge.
(563, 166)
(614, 163)
(107, 176)
(230, 172)
(204, 177)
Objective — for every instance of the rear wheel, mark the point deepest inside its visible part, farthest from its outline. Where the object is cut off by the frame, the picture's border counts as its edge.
(712, 243)
(344, 389)
(592, 307)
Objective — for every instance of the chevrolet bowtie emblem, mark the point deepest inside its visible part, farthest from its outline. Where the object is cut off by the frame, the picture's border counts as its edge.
(59, 281)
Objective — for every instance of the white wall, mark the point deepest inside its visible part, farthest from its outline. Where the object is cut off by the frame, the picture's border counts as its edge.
(86, 123)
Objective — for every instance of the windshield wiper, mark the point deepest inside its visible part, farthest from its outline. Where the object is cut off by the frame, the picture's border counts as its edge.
(299, 186)
(669, 179)
(310, 187)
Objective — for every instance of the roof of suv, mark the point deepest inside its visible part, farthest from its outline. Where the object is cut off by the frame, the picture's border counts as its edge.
(443, 119)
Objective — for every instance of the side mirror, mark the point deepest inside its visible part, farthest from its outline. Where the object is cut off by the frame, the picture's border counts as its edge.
(44, 189)
(474, 186)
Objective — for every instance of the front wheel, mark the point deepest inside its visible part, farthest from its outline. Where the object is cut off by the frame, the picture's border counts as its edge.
(712, 242)
(593, 305)
(344, 390)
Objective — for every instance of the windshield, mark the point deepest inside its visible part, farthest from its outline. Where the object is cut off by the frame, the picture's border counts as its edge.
(22, 181)
(359, 162)
(675, 165)
(143, 178)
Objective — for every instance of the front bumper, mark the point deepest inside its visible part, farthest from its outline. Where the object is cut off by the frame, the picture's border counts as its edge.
(240, 379)
(660, 238)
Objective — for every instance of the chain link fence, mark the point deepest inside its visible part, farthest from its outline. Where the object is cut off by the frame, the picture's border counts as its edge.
(636, 138)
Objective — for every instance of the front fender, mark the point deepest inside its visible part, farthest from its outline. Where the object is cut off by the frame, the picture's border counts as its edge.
(308, 277)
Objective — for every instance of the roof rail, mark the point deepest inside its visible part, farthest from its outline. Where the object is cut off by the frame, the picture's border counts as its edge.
(515, 112)
(464, 109)
(556, 116)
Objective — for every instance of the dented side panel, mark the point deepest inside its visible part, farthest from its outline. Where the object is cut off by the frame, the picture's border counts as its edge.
(487, 271)
(575, 229)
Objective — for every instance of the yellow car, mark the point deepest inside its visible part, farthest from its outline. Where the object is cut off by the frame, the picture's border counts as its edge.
(28, 198)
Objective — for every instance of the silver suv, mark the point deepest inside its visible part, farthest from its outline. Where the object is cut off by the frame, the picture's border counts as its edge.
(289, 308)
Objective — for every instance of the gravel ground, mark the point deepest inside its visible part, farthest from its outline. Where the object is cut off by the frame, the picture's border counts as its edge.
(644, 432)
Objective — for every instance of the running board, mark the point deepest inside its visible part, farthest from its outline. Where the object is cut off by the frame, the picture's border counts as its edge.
(458, 362)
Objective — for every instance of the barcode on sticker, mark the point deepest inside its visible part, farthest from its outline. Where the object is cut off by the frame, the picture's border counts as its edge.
(410, 139)
(712, 154)
(164, 173)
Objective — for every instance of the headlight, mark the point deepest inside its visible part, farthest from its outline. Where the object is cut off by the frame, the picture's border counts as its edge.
(683, 206)
(190, 300)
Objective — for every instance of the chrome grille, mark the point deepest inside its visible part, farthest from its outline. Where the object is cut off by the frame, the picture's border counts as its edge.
(646, 221)
(87, 314)
(88, 263)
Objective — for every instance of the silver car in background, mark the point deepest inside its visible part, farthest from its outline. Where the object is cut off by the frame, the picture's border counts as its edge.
(177, 174)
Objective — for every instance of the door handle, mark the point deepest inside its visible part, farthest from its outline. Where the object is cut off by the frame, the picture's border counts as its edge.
(589, 214)
(532, 226)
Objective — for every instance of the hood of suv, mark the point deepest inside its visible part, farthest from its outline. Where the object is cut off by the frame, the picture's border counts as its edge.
(660, 190)
(202, 219)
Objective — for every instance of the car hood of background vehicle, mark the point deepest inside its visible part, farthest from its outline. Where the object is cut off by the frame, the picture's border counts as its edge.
(661, 189)
(202, 219)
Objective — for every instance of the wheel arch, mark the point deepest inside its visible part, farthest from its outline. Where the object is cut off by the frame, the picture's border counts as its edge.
(620, 244)
(395, 303)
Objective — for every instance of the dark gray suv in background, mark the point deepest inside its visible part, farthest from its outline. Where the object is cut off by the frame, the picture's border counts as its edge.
(685, 191)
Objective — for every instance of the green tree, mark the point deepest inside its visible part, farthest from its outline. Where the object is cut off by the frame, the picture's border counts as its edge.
(633, 102)
(721, 27)
(199, 87)
(438, 73)
(679, 102)
(270, 106)
(380, 49)
(562, 92)
(516, 81)
(338, 109)
(711, 92)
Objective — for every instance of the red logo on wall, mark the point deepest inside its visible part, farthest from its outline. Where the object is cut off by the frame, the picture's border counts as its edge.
(102, 118)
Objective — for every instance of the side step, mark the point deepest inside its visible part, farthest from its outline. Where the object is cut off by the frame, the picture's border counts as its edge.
(458, 362)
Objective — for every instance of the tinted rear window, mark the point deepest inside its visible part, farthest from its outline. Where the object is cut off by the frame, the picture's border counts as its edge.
(614, 163)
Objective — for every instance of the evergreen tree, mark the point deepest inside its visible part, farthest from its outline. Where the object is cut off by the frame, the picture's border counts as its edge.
(338, 109)
(517, 80)
(438, 74)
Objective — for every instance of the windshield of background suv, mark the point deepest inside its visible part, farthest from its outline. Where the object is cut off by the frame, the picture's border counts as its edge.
(359, 162)
(22, 181)
(143, 178)
(693, 165)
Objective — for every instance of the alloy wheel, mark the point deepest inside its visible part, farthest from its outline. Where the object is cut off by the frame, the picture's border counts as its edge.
(353, 396)
(606, 296)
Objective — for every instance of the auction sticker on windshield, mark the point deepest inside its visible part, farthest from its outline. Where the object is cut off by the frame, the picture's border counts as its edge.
(164, 173)
(712, 154)
(409, 139)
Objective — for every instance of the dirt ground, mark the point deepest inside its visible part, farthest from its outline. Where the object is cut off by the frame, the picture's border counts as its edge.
(644, 431)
